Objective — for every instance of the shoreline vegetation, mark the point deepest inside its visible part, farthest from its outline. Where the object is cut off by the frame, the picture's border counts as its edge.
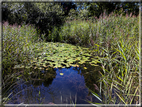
(113, 40)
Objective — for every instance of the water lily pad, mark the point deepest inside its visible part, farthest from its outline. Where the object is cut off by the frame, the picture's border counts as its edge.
(61, 74)
(55, 66)
(94, 65)
(59, 55)
(87, 54)
(59, 65)
(70, 60)
(67, 65)
(40, 68)
(80, 62)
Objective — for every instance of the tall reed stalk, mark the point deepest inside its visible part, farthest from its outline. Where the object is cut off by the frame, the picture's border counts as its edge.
(17, 45)
(117, 50)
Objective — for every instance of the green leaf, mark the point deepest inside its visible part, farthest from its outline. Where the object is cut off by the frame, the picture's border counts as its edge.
(122, 99)
(119, 78)
(95, 94)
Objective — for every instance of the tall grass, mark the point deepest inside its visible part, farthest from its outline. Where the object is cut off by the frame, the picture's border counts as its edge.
(120, 61)
(17, 46)
(120, 75)
(114, 40)
(76, 32)
(101, 31)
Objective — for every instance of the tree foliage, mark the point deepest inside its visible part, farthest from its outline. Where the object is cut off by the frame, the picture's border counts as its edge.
(14, 13)
(97, 8)
(42, 15)
(46, 16)
(67, 6)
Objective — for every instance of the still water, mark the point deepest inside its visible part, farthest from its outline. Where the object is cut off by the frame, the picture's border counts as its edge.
(68, 87)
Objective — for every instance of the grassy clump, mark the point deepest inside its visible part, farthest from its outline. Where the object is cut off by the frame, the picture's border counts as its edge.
(118, 53)
(120, 76)
(101, 31)
(76, 32)
(16, 45)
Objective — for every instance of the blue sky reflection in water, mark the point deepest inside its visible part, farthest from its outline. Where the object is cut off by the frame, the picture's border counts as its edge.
(61, 89)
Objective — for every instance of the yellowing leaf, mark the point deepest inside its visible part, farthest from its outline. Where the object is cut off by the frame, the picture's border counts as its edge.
(77, 65)
(85, 67)
(61, 74)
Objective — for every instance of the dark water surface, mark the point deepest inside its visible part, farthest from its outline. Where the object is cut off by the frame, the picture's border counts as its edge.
(67, 87)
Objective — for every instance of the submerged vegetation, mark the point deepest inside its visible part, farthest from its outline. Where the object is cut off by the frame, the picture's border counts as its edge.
(110, 42)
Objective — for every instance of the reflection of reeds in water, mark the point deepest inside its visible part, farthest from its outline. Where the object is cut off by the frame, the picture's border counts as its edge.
(21, 92)
(70, 100)
(14, 87)
(77, 84)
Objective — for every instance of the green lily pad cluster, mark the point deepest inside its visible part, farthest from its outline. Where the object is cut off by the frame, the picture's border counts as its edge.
(60, 55)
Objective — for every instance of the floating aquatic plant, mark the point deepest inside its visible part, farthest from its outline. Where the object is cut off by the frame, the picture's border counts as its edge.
(59, 55)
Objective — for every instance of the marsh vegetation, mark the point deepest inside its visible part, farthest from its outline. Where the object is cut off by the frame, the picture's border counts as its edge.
(98, 56)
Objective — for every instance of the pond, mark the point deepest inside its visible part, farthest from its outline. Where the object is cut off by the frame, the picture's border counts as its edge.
(58, 73)
(67, 87)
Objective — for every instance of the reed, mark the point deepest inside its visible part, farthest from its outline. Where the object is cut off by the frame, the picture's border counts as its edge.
(17, 48)
(119, 58)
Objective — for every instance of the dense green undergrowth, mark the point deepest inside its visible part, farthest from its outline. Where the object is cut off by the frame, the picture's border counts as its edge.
(112, 39)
